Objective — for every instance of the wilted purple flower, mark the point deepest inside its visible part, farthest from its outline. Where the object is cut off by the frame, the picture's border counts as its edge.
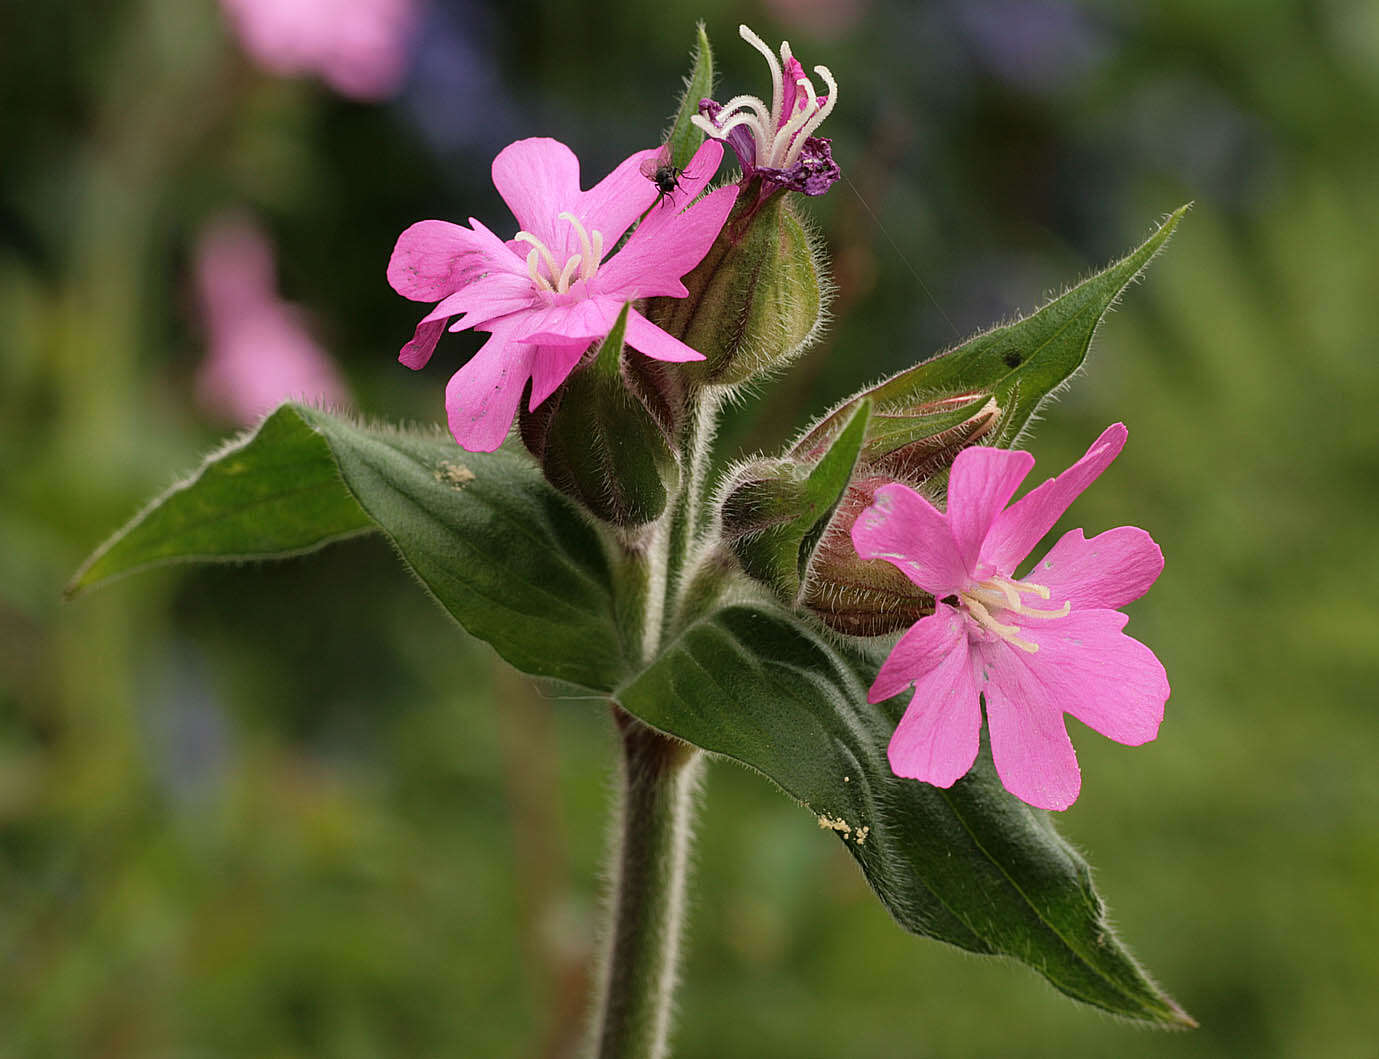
(778, 143)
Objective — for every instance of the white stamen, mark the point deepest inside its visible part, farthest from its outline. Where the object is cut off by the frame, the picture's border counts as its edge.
(745, 102)
(556, 280)
(777, 79)
(1001, 593)
(753, 123)
(563, 284)
(783, 149)
(527, 237)
(595, 258)
(583, 238)
(538, 280)
(824, 109)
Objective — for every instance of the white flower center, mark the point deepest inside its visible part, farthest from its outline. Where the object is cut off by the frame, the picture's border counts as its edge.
(581, 266)
(1005, 595)
(778, 143)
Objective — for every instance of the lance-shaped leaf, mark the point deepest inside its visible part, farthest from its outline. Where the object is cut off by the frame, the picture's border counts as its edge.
(776, 511)
(684, 136)
(509, 557)
(972, 865)
(598, 443)
(1017, 366)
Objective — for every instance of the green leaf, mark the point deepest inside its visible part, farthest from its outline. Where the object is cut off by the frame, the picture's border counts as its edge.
(972, 866)
(1018, 365)
(685, 137)
(511, 559)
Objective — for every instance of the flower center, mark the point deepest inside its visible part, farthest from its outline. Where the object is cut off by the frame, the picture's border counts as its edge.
(779, 136)
(581, 266)
(1006, 595)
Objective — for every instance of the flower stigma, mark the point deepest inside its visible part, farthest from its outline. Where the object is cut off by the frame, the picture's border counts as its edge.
(1004, 594)
(584, 264)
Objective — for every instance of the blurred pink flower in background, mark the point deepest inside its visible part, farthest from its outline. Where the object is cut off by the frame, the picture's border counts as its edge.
(820, 18)
(260, 351)
(359, 47)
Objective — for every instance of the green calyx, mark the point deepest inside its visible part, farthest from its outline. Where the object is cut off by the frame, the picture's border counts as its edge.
(598, 443)
(755, 301)
(775, 511)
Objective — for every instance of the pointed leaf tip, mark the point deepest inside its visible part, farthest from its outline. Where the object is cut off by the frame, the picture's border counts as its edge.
(684, 137)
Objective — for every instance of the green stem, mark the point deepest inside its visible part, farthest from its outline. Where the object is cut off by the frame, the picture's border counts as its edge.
(684, 523)
(648, 866)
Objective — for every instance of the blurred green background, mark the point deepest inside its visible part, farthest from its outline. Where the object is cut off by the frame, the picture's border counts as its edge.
(290, 810)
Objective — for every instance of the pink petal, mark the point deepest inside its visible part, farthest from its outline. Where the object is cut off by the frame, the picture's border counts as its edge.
(702, 168)
(481, 398)
(617, 200)
(936, 741)
(665, 247)
(550, 366)
(435, 258)
(645, 337)
(538, 179)
(1019, 528)
(1110, 570)
(980, 485)
(487, 299)
(907, 531)
(1089, 668)
(1029, 743)
(418, 351)
(562, 324)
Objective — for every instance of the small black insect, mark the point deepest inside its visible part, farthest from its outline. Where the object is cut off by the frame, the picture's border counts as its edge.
(662, 171)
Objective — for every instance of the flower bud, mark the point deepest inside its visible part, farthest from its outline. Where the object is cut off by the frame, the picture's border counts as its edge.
(856, 596)
(756, 299)
(598, 442)
(775, 510)
(910, 443)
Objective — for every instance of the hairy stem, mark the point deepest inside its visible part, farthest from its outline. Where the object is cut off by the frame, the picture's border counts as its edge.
(648, 867)
(686, 513)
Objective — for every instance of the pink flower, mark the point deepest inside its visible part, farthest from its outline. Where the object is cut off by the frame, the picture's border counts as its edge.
(1034, 649)
(550, 292)
(359, 47)
(260, 351)
(777, 143)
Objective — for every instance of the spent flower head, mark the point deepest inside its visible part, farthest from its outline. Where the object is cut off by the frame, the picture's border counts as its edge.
(777, 142)
(555, 288)
(1032, 648)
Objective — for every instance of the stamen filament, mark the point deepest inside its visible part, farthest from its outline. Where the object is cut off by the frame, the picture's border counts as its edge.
(983, 616)
(777, 79)
(591, 263)
(563, 284)
(527, 237)
(1061, 612)
(539, 281)
(782, 151)
(824, 109)
(751, 103)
